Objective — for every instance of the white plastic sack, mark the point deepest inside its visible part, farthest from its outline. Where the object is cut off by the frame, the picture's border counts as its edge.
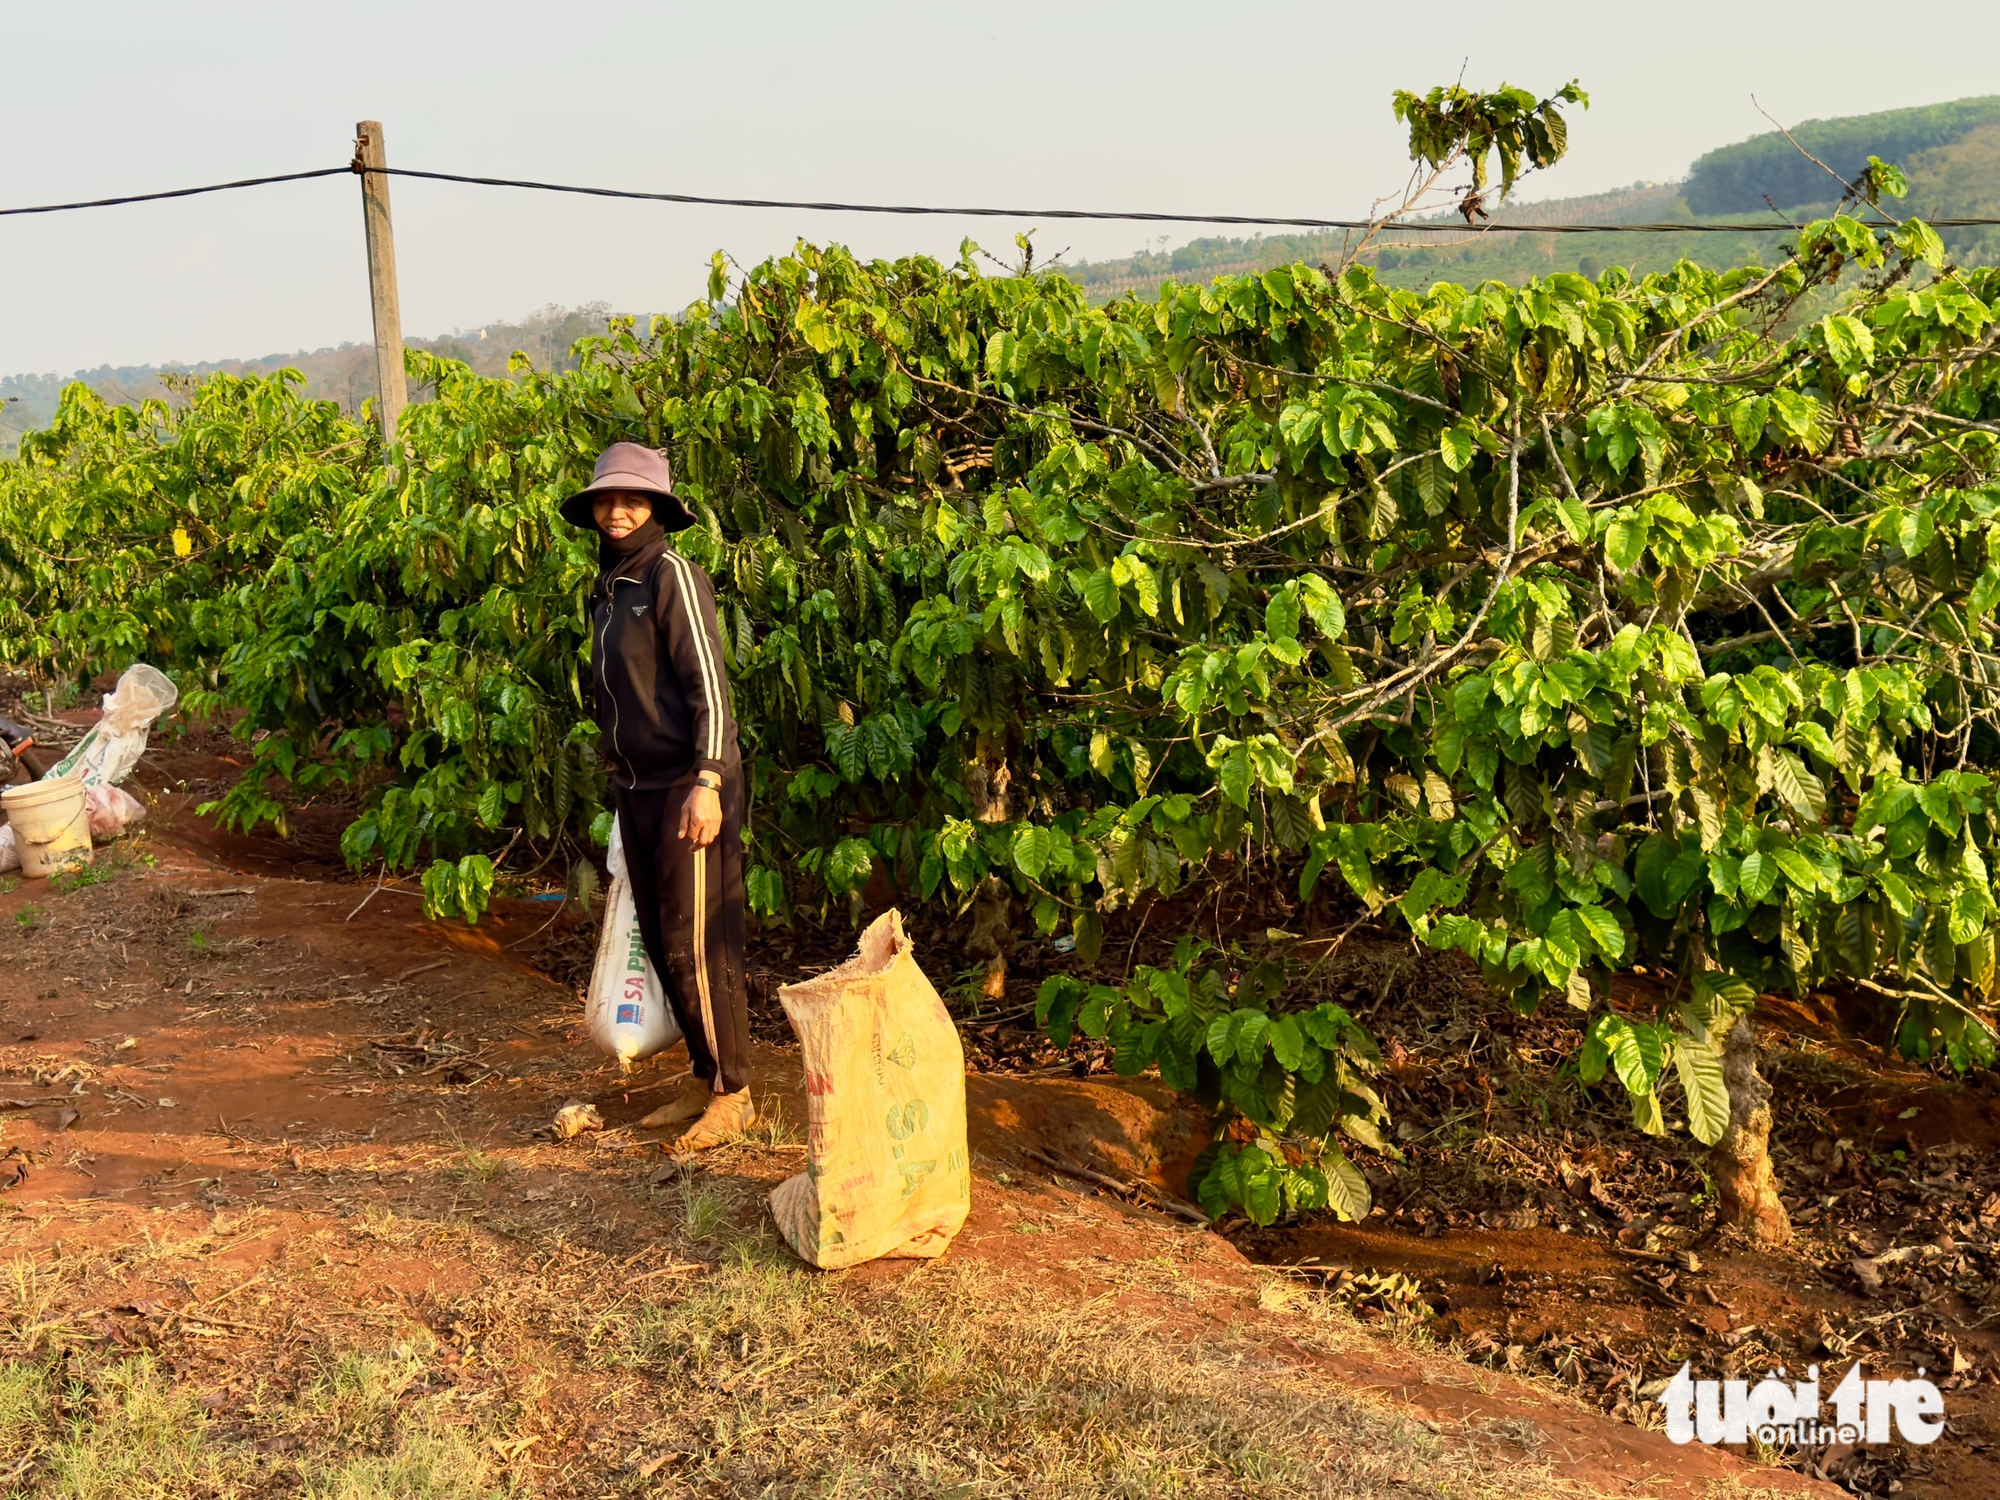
(106, 755)
(626, 1012)
(10, 857)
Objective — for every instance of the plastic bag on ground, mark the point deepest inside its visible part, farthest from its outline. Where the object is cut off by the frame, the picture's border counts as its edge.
(626, 1011)
(106, 755)
(887, 1169)
(111, 809)
(10, 857)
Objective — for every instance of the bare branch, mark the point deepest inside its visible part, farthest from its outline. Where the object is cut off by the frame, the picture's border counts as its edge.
(1846, 187)
(1924, 413)
(1171, 460)
(1232, 482)
(1428, 664)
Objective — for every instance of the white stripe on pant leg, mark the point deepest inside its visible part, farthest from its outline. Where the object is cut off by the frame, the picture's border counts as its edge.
(701, 961)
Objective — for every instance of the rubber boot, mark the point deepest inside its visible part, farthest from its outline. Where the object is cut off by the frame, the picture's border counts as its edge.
(727, 1115)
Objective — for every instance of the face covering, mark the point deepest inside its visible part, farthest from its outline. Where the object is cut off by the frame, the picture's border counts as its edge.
(611, 551)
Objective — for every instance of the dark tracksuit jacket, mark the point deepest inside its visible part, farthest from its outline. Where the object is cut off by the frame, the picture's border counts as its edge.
(663, 711)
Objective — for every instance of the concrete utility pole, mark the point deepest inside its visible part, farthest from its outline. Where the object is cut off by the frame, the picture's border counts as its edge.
(392, 394)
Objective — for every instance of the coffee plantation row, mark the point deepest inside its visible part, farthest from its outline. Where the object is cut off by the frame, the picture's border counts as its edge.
(1573, 626)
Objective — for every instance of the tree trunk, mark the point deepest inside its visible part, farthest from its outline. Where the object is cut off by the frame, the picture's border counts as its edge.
(992, 934)
(1741, 1160)
(987, 780)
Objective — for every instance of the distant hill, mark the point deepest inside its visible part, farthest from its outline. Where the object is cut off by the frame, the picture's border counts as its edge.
(1951, 153)
(1751, 175)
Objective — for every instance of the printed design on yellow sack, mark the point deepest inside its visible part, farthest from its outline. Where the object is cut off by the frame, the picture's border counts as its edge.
(903, 1124)
(886, 1169)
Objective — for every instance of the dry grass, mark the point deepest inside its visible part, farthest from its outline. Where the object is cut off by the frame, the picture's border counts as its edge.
(736, 1372)
(942, 1382)
(127, 1428)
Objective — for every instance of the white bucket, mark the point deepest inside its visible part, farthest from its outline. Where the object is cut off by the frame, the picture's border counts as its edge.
(51, 825)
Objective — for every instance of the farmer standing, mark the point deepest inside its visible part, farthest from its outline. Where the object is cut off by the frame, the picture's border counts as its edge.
(669, 741)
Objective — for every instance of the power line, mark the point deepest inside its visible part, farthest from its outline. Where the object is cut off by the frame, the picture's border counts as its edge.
(1110, 215)
(1247, 220)
(214, 187)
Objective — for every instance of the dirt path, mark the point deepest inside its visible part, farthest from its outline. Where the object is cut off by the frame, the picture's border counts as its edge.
(289, 1163)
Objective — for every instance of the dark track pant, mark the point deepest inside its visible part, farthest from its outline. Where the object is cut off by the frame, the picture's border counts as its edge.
(691, 916)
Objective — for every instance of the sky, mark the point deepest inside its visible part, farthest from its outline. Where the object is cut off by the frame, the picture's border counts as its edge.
(1256, 106)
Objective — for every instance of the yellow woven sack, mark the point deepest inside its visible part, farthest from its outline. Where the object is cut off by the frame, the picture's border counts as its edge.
(886, 1166)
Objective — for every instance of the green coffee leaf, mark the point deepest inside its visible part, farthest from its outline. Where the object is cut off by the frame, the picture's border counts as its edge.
(1707, 1094)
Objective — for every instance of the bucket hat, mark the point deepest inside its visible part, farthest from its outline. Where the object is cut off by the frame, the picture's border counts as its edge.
(635, 467)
